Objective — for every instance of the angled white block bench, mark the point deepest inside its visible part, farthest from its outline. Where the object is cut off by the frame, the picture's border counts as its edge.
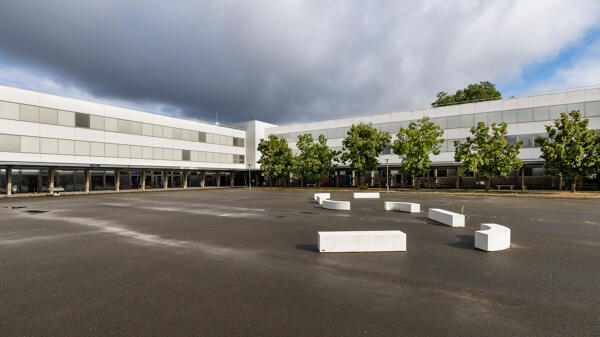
(492, 237)
(326, 195)
(410, 207)
(446, 217)
(339, 205)
(362, 241)
(366, 195)
(321, 198)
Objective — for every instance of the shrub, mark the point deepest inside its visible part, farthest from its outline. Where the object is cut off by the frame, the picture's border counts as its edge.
(363, 187)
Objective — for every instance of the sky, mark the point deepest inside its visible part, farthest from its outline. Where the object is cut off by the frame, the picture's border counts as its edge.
(294, 61)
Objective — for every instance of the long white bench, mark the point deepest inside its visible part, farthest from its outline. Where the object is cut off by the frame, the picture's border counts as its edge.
(410, 207)
(339, 205)
(321, 198)
(362, 241)
(317, 195)
(366, 195)
(446, 217)
(492, 237)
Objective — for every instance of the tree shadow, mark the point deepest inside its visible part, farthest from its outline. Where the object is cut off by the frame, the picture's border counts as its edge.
(464, 242)
(308, 247)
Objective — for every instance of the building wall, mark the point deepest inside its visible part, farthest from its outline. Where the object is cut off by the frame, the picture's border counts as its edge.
(43, 129)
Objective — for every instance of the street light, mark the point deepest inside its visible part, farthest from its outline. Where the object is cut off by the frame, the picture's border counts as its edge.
(387, 175)
(249, 178)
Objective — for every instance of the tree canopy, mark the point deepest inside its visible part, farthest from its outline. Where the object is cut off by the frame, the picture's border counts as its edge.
(488, 153)
(362, 146)
(482, 91)
(276, 157)
(571, 150)
(315, 159)
(415, 143)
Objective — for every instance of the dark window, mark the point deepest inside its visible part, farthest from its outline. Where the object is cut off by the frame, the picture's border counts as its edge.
(511, 139)
(82, 120)
(202, 137)
(185, 155)
(540, 135)
(387, 149)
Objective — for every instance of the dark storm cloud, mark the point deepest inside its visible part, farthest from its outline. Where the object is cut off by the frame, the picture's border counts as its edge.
(276, 61)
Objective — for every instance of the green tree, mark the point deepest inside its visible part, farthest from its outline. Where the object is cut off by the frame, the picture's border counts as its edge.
(276, 157)
(414, 145)
(482, 91)
(571, 150)
(315, 159)
(488, 153)
(362, 146)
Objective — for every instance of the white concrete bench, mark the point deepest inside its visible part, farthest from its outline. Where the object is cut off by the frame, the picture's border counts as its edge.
(402, 206)
(317, 195)
(339, 205)
(321, 198)
(362, 241)
(446, 217)
(55, 190)
(492, 237)
(366, 195)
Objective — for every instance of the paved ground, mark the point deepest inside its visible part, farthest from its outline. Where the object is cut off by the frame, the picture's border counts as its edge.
(238, 262)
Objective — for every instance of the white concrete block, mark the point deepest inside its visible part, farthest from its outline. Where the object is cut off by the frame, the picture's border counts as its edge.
(327, 195)
(338, 205)
(366, 195)
(362, 241)
(446, 217)
(410, 207)
(492, 237)
(321, 198)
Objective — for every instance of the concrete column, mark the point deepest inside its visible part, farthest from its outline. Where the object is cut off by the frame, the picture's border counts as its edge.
(143, 181)
(130, 178)
(8, 180)
(231, 176)
(203, 179)
(103, 179)
(435, 180)
(20, 187)
(372, 178)
(51, 175)
(184, 176)
(218, 178)
(117, 180)
(404, 177)
(165, 180)
(522, 178)
(39, 181)
(88, 176)
(354, 182)
(337, 178)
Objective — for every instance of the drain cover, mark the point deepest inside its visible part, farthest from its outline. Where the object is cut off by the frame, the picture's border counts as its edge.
(35, 211)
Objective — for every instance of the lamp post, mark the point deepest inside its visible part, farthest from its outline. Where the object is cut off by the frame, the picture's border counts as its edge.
(387, 175)
(249, 178)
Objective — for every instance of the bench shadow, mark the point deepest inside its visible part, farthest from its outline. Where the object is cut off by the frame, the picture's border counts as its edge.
(308, 247)
(429, 221)
(464, 242)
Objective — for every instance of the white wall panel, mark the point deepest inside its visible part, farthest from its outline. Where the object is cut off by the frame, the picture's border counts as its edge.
(30, 144)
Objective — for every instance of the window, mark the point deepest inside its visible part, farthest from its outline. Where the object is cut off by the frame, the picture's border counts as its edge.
(111, 150)
(539, 135)
(48, 116)
(555, 111)
(66, 147)
(96, 122)
(97, 149)
(110, 124)
(482, 117)
(30, 113)
(210, 138)
(186, 135)
(157, 131)
(147, 152)
(147, 129)
(201, 156)
(167, 132)
(511, 139)
(592, 109)
(387, 149)
(223, 139)
(527, 141)
(494, 117)
(9, 110)
(229, 158)
(186, 155)
(66, 118)
(441, 122)
(509, 116)
(168, 154)
(124, 151)
(82, 120)
(466, 121)
(9, 143)
(541, 113)
(193, 155)
(241, 142)
(177, 154)
(210, 157)
(525, 115)
(229, 141)
(82, 148)
(136, 151)
(30, 144)
(202, 137)
(49, 145)
(453, 122)
(177, 134)
(194, 136)
(136, 128)
(576, 106)
(123, 126)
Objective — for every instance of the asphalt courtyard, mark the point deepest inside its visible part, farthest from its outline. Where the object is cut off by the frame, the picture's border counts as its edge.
(237, 262)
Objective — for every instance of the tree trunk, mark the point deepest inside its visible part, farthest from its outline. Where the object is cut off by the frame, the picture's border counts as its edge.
(573, 185)
(487, 184)
(302, 180)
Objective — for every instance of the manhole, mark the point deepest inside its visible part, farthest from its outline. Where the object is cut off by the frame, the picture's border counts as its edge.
(14, 207)
(35, 211)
